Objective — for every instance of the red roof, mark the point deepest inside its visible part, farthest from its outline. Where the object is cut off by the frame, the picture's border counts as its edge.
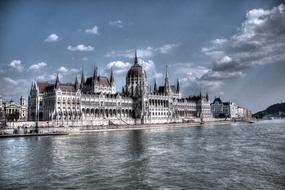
(42, 86)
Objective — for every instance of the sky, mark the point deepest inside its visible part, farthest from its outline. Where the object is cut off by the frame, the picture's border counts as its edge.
(230, 49)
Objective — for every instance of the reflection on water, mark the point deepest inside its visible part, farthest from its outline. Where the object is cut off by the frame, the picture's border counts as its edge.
(247, 156)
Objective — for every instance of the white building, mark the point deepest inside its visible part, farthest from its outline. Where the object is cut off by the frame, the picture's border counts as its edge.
(94, 101)
(8, 108)
(228, 110)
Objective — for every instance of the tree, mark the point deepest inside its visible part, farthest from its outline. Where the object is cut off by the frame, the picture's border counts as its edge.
(13, 116)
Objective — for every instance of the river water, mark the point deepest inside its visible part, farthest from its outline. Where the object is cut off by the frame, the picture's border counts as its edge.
(232, 156)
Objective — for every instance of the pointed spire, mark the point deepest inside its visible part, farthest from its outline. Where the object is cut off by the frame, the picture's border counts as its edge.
(166, 84)
(82, 78)
(136, 57)
(112, 77)
(166, 74)
(95, 72)
(56, 81)
(207, 96)
(76, 84)
(200, 94)
(154, 86)
(177, 86)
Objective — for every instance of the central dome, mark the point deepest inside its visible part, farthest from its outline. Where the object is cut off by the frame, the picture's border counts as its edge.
(135, 71)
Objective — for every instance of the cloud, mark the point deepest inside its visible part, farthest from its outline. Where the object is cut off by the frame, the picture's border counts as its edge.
(116, 23)
(52, 38)
(65, 71)
(48, 77)
(62, 69)
(143, 52)
(119, 67)
(37, 67)
(221, 76)
(62, 72)
(259, 41)
(150, 69)
(191, 78)
(16, 65)
(11, 81)
(93, 30)
(81, 47)
(167, 48)
(12, 88)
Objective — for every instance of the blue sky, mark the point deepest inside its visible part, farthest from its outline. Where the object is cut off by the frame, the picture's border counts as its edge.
(224, 47)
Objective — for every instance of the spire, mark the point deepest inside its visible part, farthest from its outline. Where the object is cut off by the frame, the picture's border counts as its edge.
(154, 86)
(166, 84)
(166, 74)
(200, 94)
(136, 57)
(56, 81)
(207, 96)
(76, 84)
(177, 86)
(112, 77)
(82, 78)
(95, 72)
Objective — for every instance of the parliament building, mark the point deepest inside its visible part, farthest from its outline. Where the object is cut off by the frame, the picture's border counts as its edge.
(95, 101)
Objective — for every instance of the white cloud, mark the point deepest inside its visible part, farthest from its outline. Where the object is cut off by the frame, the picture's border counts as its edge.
(158, 75)
(52, 38)
(62, 69)
(167, 48)
(126, 54)
(10, 81)
(226, 59)
(260, 41)
(81, 47)
(93, 30)
(16, 65)
(12, 88)
(117, 23)
(66, 71)
(143, 52)
(48, 77)
(189, 70)
(37, 67)
(119, 66)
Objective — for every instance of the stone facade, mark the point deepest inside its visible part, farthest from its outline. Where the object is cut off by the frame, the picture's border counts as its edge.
(11, 107)
(95, 101)
(229, 110)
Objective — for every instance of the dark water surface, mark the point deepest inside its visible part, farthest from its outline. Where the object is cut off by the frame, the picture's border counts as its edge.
(237, 156)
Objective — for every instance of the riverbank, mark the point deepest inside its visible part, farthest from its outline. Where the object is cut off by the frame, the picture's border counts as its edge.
(32, 135)
(104, 128)
(145, 126)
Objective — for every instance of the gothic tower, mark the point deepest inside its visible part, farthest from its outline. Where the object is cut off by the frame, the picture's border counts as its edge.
(167, 89)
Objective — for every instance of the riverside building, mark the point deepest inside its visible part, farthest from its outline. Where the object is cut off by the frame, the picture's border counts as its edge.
(95, 101)
(229, 110)
(10, 108)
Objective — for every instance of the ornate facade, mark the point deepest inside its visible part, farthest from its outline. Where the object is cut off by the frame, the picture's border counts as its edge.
(95, 101)
(8, 108)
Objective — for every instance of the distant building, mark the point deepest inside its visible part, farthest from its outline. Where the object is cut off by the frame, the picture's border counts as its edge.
(10, 108)
(95, 101)
(229, 110)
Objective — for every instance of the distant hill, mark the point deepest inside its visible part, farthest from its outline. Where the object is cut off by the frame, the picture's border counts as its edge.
(275, 110)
